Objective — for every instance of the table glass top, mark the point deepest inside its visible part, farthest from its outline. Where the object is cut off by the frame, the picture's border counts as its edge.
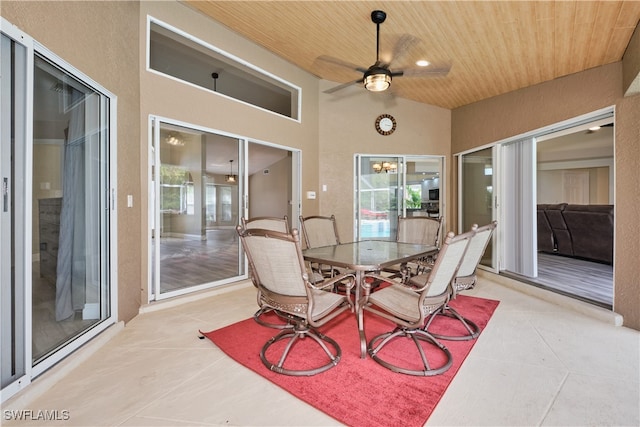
(367, 254)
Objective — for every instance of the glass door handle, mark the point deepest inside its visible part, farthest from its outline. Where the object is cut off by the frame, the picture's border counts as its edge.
(5, 194)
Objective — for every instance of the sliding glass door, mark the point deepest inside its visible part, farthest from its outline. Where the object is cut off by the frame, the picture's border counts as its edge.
(13, 270)
(198, 183)
(477, 202)
(379, 181)
(69, 204)
(56, 209)
(392, 186)
(203, 182)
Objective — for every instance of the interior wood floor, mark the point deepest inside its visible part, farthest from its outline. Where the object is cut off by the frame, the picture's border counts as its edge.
(188, 262)
(48, 333)
(588, 281)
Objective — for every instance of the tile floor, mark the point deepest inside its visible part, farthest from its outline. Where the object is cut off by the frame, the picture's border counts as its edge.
(536, 363)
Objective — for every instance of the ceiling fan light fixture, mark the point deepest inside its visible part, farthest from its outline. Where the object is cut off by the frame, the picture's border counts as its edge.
(377, 79)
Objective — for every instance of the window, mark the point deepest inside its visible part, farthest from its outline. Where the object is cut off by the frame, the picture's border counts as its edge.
(185, 58)
(176, 190)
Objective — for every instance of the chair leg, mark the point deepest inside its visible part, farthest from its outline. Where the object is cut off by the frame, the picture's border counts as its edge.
(257, 316)
(301, 331)
(446, 310)
(417, 336)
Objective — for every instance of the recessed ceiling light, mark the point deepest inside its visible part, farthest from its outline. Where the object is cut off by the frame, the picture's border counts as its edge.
(595, 128)
(422, 63)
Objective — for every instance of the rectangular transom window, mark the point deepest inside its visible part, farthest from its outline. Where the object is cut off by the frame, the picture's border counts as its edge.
(188, 59)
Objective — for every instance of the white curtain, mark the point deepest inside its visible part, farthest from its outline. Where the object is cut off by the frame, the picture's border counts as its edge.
(71, 274)
(519, 227)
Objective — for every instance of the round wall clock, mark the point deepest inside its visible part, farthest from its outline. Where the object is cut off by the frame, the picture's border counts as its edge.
(385, 124)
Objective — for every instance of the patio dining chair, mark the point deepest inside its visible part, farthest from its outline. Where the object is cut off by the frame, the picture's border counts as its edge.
(465, 279)
(267, 223)
(321, 231)
(409, 306)
(273, 224)
(279, 273)
(420, 230)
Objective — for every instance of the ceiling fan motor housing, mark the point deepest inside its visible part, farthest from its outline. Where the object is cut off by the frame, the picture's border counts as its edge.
(378, 16)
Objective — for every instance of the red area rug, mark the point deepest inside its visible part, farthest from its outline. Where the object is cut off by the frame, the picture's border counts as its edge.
(359, 392)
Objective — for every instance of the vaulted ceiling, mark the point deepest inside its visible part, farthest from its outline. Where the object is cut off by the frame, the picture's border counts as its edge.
(492, 47)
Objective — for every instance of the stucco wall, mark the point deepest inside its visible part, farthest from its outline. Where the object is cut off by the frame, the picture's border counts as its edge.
(96, 38)
(631, 65)
(532, 108)
(168, 98)
(264, 200)
(627, 188)
(347, 120)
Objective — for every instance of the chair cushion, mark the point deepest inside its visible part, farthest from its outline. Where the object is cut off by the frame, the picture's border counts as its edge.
(325, 302)
(399, 301)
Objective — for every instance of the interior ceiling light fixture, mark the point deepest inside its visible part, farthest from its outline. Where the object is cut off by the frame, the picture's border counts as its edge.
(385, 166)
(174, 139)
(231, 177)
(377, 79)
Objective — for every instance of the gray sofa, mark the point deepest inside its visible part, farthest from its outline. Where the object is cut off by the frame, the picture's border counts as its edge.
(581, 231)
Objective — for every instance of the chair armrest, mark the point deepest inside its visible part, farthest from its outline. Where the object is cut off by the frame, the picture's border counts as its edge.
(333, 280)
(415, 283)
(376, 276)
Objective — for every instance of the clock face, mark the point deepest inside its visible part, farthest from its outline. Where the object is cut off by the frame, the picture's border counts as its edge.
(385, 124)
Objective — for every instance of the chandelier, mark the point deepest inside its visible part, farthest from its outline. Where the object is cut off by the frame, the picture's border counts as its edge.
(385, 166)
(174, 139)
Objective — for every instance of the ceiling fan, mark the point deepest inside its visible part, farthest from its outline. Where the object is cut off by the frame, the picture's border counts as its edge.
(377, 77)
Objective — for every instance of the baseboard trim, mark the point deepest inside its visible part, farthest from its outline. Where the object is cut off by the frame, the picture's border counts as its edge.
(195, 296)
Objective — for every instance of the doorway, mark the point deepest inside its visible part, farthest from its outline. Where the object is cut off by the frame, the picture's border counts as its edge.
(576, 168)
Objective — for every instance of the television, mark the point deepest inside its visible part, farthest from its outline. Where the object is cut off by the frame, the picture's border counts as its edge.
(434, 194)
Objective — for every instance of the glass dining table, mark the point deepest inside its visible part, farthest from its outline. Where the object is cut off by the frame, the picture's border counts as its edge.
(366, 256)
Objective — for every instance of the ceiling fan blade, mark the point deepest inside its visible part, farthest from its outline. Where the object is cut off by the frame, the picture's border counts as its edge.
(340, 62)
(422, 72)
(402, 46)
(342, 86)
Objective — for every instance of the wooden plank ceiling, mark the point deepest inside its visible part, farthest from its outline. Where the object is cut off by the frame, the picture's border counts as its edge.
(493, 47)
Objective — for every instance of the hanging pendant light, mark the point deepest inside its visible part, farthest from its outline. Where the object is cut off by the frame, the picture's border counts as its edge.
(231, 177)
